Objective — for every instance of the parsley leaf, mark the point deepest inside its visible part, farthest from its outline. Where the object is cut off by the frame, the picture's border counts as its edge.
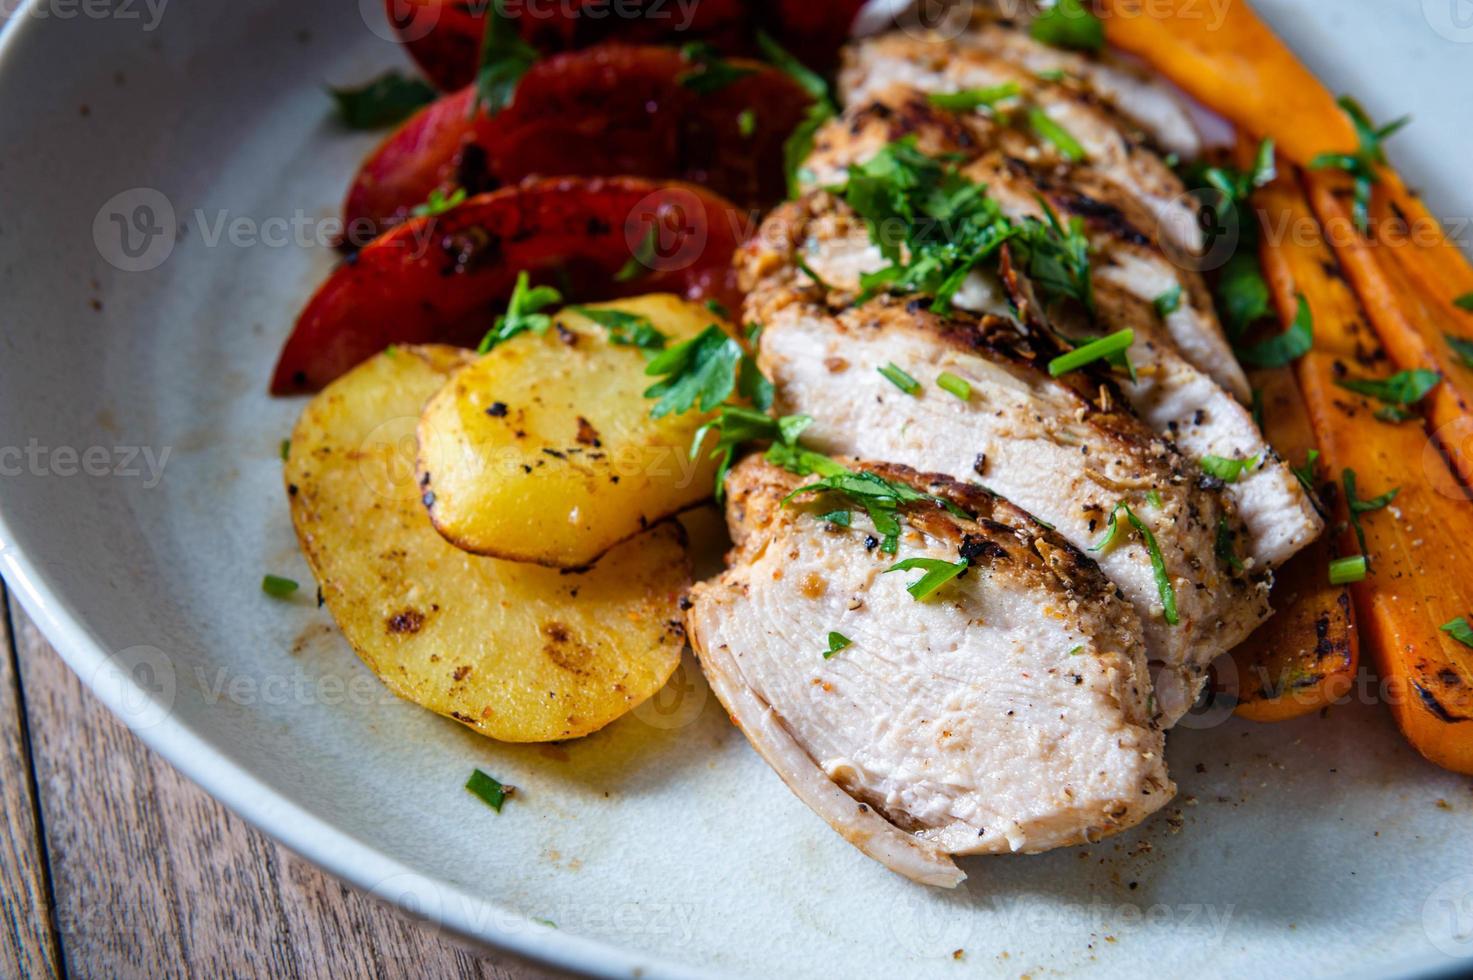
(1242, 292)
(938, 573)
(698, 372)
(1403, 389)
(737, 425)
(504, 59)
(522, 313)
(1168, 302)
(711, 72)
(1102, 348)
(1068, 24)
(880, 498)
(1462, 348)
(1228, 470)
(1361, 166)
(837, 642)
(800, 141)
(1158, 563)
(625, 329)
(900, 379)
(1060, 138)
(1459, 630)
(643, 259)
(747, 123)
(277, 587)
(1286, 347)
(1305, 474)
(438, 203)
(1464, 302)
(391, 98)
(1223, 546)
(969, 99)
(1358, 506)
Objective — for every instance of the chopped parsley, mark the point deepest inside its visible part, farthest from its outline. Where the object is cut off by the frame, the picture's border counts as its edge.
(747, 123)
(643, 259)
(838, 518)
(700, 372)
(277, 587)
(1061, 139)
(938, 573)
(1223, 546)
(737, 425)
(711, 72)
(969, 99)
(1103, 348)
(1076, 650)
(1361, 166)
(1285, 348)
(1242, 293)
(1397, 393)
(1343, 571)
(1068, 24)
(719, 308)
(1305, 474)
(837, 642)
(489, 790)
(1462, 348)
(1154, 497)
(880, 498)
(807, 270)
(1158, 563)
(1464, 302)
(900, 379)
(438, 203)
(1228, 470)
(391, 98)
(800, 141)
(286, 449)
(1459, 630)
(1168, 302)
(504, 59)
(523, 313)
(951, 384)
(625, 329)
(1357, 506)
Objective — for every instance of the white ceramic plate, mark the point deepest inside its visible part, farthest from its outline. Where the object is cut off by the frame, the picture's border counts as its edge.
(661, 846)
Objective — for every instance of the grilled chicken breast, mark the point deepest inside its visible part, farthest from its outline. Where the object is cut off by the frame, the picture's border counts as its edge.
(1067, 450)
(1186, 373)
(1009, 711)
(876, 64)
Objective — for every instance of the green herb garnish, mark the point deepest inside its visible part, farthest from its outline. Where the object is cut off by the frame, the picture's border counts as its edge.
(1305, 474)
(1361, 165)
(900, 379)
(1158, 563)
(286, 449)
(737, 425)
(1464, 302)
(391, 98)
(1223, 546)
(969, 99)
(1462, 348)
(1068, 24)
(643, 259)
(438, 203)
(1343, 571)
(1228, 470)
(522, 313)
(800, 141)
(950, 383)
(746, 123)
(1062, 140)
(488, 789)
(880, 498)
(1286, 347)
(504, 59)
(1168, 302)
(938, 573)
(1397, 393)
(277, 587)
(1358, 506)
(711, 72)
(1459, 630)
(1100, 349)
(699, 372)
(837, 642)
(625, 329)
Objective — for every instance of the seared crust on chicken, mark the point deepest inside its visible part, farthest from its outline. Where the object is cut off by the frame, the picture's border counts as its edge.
(1009, 711)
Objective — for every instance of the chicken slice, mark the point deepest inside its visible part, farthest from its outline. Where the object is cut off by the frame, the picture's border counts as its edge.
(1006, 712)
(1066, 449)
(871, 66)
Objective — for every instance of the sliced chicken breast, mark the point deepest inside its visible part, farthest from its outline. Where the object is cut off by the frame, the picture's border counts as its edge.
(1067, 450)
(871, 66)
(1009, 711)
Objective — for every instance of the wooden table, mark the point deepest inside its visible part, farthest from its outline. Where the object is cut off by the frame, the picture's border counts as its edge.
(114, 865)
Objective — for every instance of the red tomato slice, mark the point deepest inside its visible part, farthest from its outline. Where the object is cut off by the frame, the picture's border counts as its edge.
(444, 279)
(609, 110)
(444, 36)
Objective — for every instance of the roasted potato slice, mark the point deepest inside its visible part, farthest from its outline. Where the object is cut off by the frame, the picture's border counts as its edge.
(544, 450)
(516, 652)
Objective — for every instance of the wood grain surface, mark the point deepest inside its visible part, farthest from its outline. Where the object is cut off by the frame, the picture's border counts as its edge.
(114, 865)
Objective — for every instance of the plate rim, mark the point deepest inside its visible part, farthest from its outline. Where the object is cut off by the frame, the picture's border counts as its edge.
(366, 867)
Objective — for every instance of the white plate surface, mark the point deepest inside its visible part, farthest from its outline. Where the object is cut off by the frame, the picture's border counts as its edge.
(662, 845)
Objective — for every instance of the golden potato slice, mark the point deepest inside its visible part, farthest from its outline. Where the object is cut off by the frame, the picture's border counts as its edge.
(517, 652)
(544, 450)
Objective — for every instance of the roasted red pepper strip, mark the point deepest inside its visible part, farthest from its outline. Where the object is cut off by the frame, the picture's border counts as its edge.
(606, 111)
(444, 279)
(444, 36)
